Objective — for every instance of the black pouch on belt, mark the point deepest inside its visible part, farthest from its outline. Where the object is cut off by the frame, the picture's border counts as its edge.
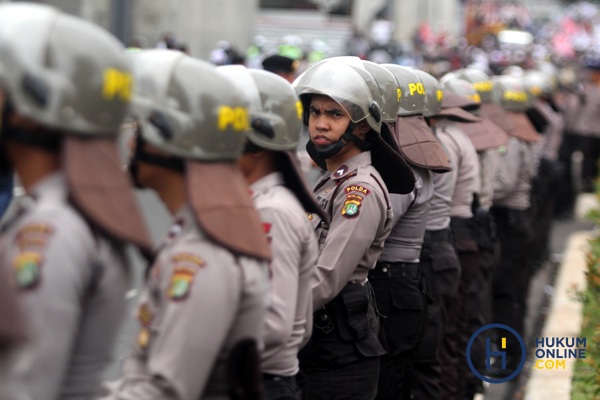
(351, 306)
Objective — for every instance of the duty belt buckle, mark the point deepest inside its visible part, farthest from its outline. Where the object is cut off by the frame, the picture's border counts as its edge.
(322, 321)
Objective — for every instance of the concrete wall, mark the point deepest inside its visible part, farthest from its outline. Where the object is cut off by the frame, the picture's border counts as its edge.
(200, 24)
(203, 23)
(441, 14)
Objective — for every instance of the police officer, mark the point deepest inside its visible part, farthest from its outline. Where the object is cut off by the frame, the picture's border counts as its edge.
(200, 314)
(397, 278)
(67, 86)
(463, 157)
(282, 198)
(568, 100)
(487, 138)
(542, 87)
(281, 65)
(586, 122)
(344, 121)
(439, 262)
(510, 209)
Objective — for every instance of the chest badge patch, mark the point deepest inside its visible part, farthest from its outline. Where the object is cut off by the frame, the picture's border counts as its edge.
(145, 316)
(340, 171)
(26, 267)
(351, 206)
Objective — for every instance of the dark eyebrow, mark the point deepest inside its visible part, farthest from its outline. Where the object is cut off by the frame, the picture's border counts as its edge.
(333, 110)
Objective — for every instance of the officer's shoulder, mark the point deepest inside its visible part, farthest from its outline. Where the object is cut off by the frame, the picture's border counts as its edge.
(366, 181)
(64, 219)
(199, 252)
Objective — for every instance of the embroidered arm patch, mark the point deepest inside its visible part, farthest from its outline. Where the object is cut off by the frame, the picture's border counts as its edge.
(185, 266)
(351, 206)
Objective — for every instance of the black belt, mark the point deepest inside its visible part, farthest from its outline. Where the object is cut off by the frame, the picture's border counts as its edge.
(395, 270)
(442, 235)
(290, 380)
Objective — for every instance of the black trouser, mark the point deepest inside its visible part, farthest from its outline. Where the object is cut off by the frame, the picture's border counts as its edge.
(341, 359)
(544, 190)
(281, 387)
(354, 381)
(511, 277)
(441, 268)
(400, 291)
(480, 293)
(453, 355)
(590, 148)
(566, 192)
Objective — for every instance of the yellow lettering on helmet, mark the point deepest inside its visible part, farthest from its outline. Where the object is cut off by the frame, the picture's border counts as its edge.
(117, 83)
(299, 109)
(416, 87)
(475, 97)
(514, 95)
(398, 94)
(483, 86)
(439, 95)
(236, 117)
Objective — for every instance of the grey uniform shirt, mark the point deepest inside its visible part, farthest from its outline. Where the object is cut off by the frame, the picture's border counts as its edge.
(489, 163)
(465, 163)
(409, 220)
(358, 202)
(199, 300)
(513, 182)
(72, 282)
(549, 146)
(586, 120)
(295, 251)
(441, 201)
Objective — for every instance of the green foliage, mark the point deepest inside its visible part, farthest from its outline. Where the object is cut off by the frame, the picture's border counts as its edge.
(586, 379)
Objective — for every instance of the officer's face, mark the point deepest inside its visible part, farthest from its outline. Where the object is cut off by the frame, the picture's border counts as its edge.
(327, 121)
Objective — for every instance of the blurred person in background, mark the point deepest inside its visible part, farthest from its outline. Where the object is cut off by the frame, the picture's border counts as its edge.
(438, 258)
(283, 200)
(466, 183)
(511, 211)
(66, 88)
(201, 313)
(549, 122)
(398, 279)
(586, 123)
(283, 66)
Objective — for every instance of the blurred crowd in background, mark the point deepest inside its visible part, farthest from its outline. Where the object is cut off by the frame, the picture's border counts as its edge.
(497, 34)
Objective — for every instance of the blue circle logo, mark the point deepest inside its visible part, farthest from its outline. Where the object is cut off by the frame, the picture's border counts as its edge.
(490, 353)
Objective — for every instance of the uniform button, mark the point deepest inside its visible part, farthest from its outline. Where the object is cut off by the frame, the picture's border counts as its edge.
(324, 318)
(384, 269)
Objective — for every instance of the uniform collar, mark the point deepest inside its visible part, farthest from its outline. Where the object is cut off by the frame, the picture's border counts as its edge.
(351, 165)
(52, 187)
(183, 220)
(265, 183)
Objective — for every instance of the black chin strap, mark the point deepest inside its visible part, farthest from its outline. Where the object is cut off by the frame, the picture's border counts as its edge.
(320, 154)
(139, 155)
